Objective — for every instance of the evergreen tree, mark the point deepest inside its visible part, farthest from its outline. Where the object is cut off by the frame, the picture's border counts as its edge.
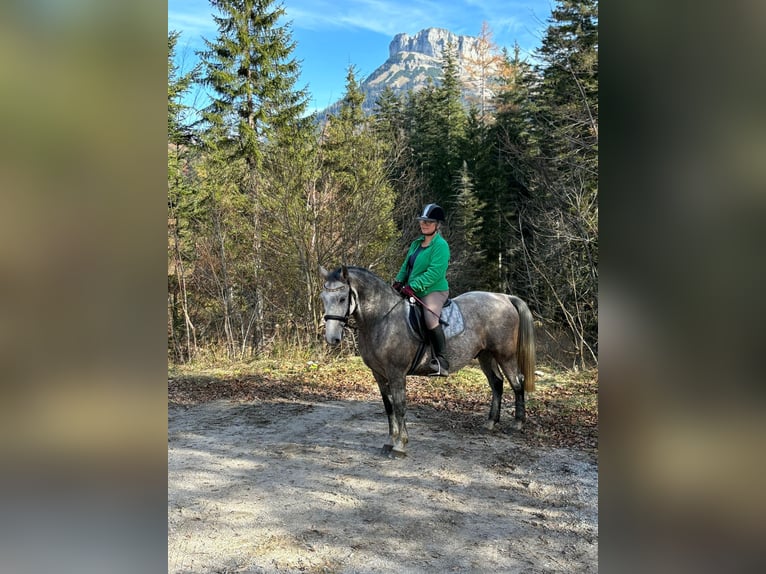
(491, 193)
(357, 223)
(391, 128)
(564, 210)
(466, 254)
(182, 341)
(178, 85)
(513, 160)
(437, 130)
(569, 89)
(389, 114)
(251, 71)
(256, 113)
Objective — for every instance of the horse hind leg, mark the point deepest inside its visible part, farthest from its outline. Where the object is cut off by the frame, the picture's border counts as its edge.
(510, 370)
(495, 380)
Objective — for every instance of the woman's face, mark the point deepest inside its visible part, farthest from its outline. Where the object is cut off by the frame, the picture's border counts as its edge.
(427, 227)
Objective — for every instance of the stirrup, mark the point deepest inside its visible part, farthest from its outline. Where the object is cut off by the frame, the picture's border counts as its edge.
(438, 370)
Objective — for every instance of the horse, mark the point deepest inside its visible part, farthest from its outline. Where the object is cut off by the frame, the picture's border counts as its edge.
(498, 330)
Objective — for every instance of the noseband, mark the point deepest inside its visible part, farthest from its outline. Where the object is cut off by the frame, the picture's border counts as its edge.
(343, 319)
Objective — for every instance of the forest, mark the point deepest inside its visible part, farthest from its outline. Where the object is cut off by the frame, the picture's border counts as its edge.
(261, 193)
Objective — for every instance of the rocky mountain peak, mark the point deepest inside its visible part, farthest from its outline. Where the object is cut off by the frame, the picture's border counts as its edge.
(431, 42)
(414, 62)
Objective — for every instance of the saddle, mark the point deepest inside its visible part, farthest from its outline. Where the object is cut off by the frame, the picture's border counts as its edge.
(451, 320)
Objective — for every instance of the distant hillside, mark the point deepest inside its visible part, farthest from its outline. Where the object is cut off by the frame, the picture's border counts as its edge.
(412, 61)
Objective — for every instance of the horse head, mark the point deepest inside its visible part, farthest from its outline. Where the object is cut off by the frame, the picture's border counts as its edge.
(339, 302)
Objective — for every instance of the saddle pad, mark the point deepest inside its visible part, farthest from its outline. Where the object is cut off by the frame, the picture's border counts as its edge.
(451, 315)
(454, 317)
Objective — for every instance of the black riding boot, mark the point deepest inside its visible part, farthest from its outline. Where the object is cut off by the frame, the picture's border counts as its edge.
(438, 364)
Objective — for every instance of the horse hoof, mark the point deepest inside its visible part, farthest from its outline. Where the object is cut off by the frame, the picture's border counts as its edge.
(390, 452)
(517, 425)
(489, 425)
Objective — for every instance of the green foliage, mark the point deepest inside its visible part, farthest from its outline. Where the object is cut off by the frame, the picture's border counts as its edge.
(252, 74)
(562, 174)
(467, 255)
(258, 197)
(437, 126)
(354, 181)
(178, 85)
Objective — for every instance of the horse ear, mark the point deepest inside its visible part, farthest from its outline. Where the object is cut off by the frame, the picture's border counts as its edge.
(344, 271)
(323, 272)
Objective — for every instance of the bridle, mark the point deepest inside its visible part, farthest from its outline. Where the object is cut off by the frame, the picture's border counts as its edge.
(342, 319)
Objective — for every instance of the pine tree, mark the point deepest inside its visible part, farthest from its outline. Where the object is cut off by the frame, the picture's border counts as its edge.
(357, 223)
(569, 88)
(178, 85)
(491, 191)
(513, 168)
(181, 331)
(251, 71)
(391, 128)
(256, 113)
(465, 230)
(564, 210)
(388, 114)
(437, 130)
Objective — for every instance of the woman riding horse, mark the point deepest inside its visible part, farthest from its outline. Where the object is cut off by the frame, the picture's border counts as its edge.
(424, 275)
(498, 331)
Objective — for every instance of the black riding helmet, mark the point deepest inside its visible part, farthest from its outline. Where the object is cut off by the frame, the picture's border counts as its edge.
(432, 212)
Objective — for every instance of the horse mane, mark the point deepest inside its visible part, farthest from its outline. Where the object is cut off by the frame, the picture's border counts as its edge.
(360, 273)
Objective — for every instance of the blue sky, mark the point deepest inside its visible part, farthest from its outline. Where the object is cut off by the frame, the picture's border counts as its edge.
(333, 34)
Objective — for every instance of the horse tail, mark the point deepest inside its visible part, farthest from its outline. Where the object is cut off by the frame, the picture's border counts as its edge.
(525, 348)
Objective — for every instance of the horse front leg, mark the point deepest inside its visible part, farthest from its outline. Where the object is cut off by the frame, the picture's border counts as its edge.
(385, 393)
(399, 403)
(394, 400)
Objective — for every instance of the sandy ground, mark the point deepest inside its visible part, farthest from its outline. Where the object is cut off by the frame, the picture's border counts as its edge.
(283, 487)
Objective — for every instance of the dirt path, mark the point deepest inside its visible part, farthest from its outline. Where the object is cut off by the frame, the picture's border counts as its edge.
(277, 487)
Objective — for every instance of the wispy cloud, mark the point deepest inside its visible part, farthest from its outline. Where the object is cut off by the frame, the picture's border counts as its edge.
(508, 19)
(194, 17)
(386, 17)
(196, 22)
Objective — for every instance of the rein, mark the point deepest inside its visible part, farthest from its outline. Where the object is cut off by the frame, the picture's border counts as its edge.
(392, 308)
(344, 318)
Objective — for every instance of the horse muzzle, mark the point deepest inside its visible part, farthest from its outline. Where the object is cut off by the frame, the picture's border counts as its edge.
(333, 336)
(333, 332)
(333, 340)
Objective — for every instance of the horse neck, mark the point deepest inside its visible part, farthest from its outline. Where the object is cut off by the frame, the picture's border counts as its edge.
(374, 298)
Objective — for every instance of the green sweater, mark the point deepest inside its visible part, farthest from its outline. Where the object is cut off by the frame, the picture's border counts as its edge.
(429, 273)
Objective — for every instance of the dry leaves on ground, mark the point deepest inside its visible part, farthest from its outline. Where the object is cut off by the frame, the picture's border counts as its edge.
(563, 411)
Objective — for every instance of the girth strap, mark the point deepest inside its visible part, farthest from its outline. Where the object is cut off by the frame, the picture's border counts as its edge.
(418, 356)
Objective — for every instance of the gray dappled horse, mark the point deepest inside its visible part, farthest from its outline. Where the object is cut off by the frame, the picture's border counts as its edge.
(498, 330)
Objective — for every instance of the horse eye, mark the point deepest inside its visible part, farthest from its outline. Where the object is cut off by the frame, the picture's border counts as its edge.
(342, 299)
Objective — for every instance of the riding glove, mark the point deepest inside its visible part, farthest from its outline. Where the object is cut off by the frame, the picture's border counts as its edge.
(407, 291)
(397, 286)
